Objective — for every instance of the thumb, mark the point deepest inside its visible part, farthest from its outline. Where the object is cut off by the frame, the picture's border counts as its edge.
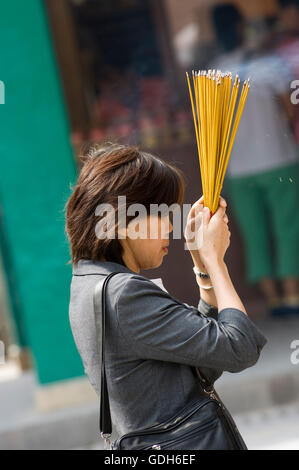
(220, 212)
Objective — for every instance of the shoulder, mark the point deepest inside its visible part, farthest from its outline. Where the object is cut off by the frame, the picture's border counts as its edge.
(135, 286)
(142, 302)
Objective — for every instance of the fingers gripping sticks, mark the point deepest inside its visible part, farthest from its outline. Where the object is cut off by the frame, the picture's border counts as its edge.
(216, 117)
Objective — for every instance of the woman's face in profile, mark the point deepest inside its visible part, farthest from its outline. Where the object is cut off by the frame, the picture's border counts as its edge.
(147, 240)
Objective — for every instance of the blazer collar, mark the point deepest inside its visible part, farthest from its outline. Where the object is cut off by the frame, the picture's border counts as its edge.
(89, 266)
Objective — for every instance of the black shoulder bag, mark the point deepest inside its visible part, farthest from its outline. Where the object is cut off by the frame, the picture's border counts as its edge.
(200, 425)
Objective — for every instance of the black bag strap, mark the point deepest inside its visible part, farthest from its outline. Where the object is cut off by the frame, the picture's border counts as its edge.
(100, 322)
(99, 298)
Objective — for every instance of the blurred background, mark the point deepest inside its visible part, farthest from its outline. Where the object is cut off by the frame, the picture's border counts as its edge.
(74, 72)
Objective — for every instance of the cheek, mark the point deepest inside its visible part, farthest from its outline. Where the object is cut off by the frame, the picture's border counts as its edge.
(153, 229)
(153, 247)
(166, 227)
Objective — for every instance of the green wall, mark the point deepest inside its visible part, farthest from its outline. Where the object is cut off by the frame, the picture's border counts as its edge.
(37, 167)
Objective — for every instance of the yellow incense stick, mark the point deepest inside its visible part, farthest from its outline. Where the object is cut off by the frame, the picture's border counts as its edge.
(216, 118)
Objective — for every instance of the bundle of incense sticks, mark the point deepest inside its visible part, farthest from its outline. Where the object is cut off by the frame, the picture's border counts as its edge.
(216, 117)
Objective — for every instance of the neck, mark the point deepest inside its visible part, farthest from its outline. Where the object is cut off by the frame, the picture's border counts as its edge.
(130, 262)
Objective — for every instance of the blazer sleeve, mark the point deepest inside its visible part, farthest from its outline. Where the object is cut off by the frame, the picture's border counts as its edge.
(158, 326)
(206, 309)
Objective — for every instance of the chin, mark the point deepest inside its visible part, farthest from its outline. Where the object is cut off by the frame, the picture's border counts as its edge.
(158, 264)
(153, 266)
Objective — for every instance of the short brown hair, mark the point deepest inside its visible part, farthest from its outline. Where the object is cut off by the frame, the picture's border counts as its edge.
(110, 171)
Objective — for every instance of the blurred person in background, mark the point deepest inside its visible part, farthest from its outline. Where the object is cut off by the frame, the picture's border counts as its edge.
(263, 171)
(287, 46)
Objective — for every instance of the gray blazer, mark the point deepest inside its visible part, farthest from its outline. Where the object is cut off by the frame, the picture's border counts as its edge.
(152, 340)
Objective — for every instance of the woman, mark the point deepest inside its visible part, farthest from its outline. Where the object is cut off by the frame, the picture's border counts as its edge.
(152, 338)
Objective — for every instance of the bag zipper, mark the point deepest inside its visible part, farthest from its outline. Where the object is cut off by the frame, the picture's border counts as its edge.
(231, 428)
(161, 445)
(160, 428)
